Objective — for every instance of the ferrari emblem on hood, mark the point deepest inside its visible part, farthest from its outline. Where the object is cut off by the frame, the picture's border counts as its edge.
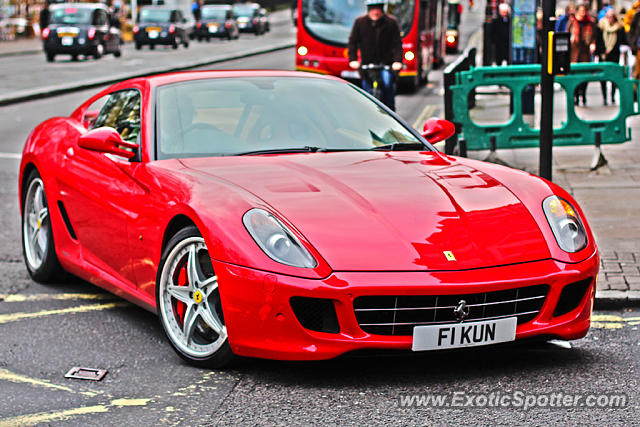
(449, 255)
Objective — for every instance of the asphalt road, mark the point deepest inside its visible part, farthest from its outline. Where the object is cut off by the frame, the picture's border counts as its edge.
(45, 330)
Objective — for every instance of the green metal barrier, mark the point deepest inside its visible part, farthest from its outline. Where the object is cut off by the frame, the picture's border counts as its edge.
(518, 134)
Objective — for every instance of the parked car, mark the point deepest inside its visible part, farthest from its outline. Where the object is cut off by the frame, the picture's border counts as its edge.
(81, 29)
(217, 21)
(248, 18)
(159, 25)
(291, 216)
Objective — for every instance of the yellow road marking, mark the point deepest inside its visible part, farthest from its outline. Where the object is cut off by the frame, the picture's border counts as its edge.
(17, 378)
(48, 417)
(607, 321)
(14, 317)
(49, 297)
(65, 415)
(428, 111)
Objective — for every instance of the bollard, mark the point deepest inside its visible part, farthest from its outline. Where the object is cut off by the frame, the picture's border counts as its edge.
(598, 157)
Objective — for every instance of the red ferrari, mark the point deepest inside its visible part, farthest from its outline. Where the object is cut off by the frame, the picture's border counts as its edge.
(292, 216)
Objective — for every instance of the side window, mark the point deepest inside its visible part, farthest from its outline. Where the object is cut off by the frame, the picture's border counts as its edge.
(174, 16)
(92, 112)
(122, 112)
(99, 17)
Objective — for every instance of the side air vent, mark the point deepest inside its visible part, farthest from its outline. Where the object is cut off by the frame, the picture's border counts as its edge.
(571, 296)
(67, 221)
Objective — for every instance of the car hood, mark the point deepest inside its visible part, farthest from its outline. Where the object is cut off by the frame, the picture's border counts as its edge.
(389, 211)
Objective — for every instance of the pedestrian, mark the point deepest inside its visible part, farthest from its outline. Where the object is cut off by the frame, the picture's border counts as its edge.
(500, 32)
(611, 36)
(634, 43)
(45, 16)
(629, 14)
(582, 30)
(377, 36)
(563, 21)
(195, 10)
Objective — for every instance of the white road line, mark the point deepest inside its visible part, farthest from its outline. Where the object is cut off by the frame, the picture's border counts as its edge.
(11, 156)
(424, 115)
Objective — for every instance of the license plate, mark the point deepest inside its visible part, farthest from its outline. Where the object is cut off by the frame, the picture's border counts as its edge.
(213, 28)
(456, 335)
(67, 41)
(350, 74)
(241, 25)
(153, 34)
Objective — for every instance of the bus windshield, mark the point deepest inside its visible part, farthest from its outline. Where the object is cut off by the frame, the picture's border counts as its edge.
(331, 20)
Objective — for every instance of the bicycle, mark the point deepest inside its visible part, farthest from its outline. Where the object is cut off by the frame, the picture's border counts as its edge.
(373, 73)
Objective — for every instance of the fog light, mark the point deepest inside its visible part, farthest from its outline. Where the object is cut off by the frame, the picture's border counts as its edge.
(305, 62)
(302, 50)
(409, 56)
(315, 64)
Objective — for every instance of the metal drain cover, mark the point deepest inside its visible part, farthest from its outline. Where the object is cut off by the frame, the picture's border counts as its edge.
(86, 373)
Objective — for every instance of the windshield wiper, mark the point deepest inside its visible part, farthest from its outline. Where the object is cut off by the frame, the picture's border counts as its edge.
(401, 146)
(306, 149)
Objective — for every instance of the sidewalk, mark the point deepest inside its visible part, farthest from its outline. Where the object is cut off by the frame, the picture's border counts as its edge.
(610, 196)
(20, 47)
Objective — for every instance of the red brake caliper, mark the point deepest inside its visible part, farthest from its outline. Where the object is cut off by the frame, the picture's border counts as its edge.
(182, 281)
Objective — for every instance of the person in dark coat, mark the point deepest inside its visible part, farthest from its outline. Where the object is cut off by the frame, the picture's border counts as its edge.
(582, 30)
(611, 36)
(377, 36)
(501, 34)
(45, 16)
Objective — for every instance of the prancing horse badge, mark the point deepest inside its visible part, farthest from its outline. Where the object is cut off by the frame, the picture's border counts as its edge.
(449, 255)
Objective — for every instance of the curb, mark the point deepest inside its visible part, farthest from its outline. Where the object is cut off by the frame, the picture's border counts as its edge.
(616, 299)
(74, 87)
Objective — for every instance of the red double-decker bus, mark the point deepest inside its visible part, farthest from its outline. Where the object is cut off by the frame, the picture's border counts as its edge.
(324, 27)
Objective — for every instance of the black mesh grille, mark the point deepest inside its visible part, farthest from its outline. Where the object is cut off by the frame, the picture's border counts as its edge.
(398, 314)
(316, 314)
(571, 296)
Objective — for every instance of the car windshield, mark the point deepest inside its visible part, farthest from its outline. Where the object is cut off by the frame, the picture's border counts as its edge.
(155, 15)
(71, 15)
(224, 116)
(331, 20)
(213, 13)
(243, 10)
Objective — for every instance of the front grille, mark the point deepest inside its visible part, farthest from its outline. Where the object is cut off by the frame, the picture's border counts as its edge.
(398, 314)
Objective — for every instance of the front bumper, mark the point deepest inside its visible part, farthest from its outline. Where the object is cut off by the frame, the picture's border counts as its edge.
(261, 322)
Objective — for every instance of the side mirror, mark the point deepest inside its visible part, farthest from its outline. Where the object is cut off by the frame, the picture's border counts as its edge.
(108, 140)
(436, 130)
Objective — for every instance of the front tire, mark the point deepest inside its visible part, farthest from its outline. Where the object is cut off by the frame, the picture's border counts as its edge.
(38, 246)
(99, 51)
(189, 304)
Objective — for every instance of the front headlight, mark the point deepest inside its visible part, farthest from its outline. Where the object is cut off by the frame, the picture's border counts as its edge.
(565, 224)
(276, 240)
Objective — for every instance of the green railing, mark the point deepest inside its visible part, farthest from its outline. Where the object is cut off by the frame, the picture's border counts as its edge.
(516, 133)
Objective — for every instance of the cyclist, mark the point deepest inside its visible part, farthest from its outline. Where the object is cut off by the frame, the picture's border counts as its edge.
(377, 35)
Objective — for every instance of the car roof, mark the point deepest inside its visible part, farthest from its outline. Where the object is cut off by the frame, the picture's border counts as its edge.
(253, 5)
(79, 6)
(216, 6)
(158, 8)
(185, 76)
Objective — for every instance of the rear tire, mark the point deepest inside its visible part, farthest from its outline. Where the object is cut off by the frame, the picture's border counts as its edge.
(152, 46)
(38, 245)
(51, 56)
(188, 301)
(118, 52)
(99, 50)
(138, 46)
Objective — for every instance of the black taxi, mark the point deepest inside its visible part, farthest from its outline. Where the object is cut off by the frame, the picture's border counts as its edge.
(81, 29)
(161, 25)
